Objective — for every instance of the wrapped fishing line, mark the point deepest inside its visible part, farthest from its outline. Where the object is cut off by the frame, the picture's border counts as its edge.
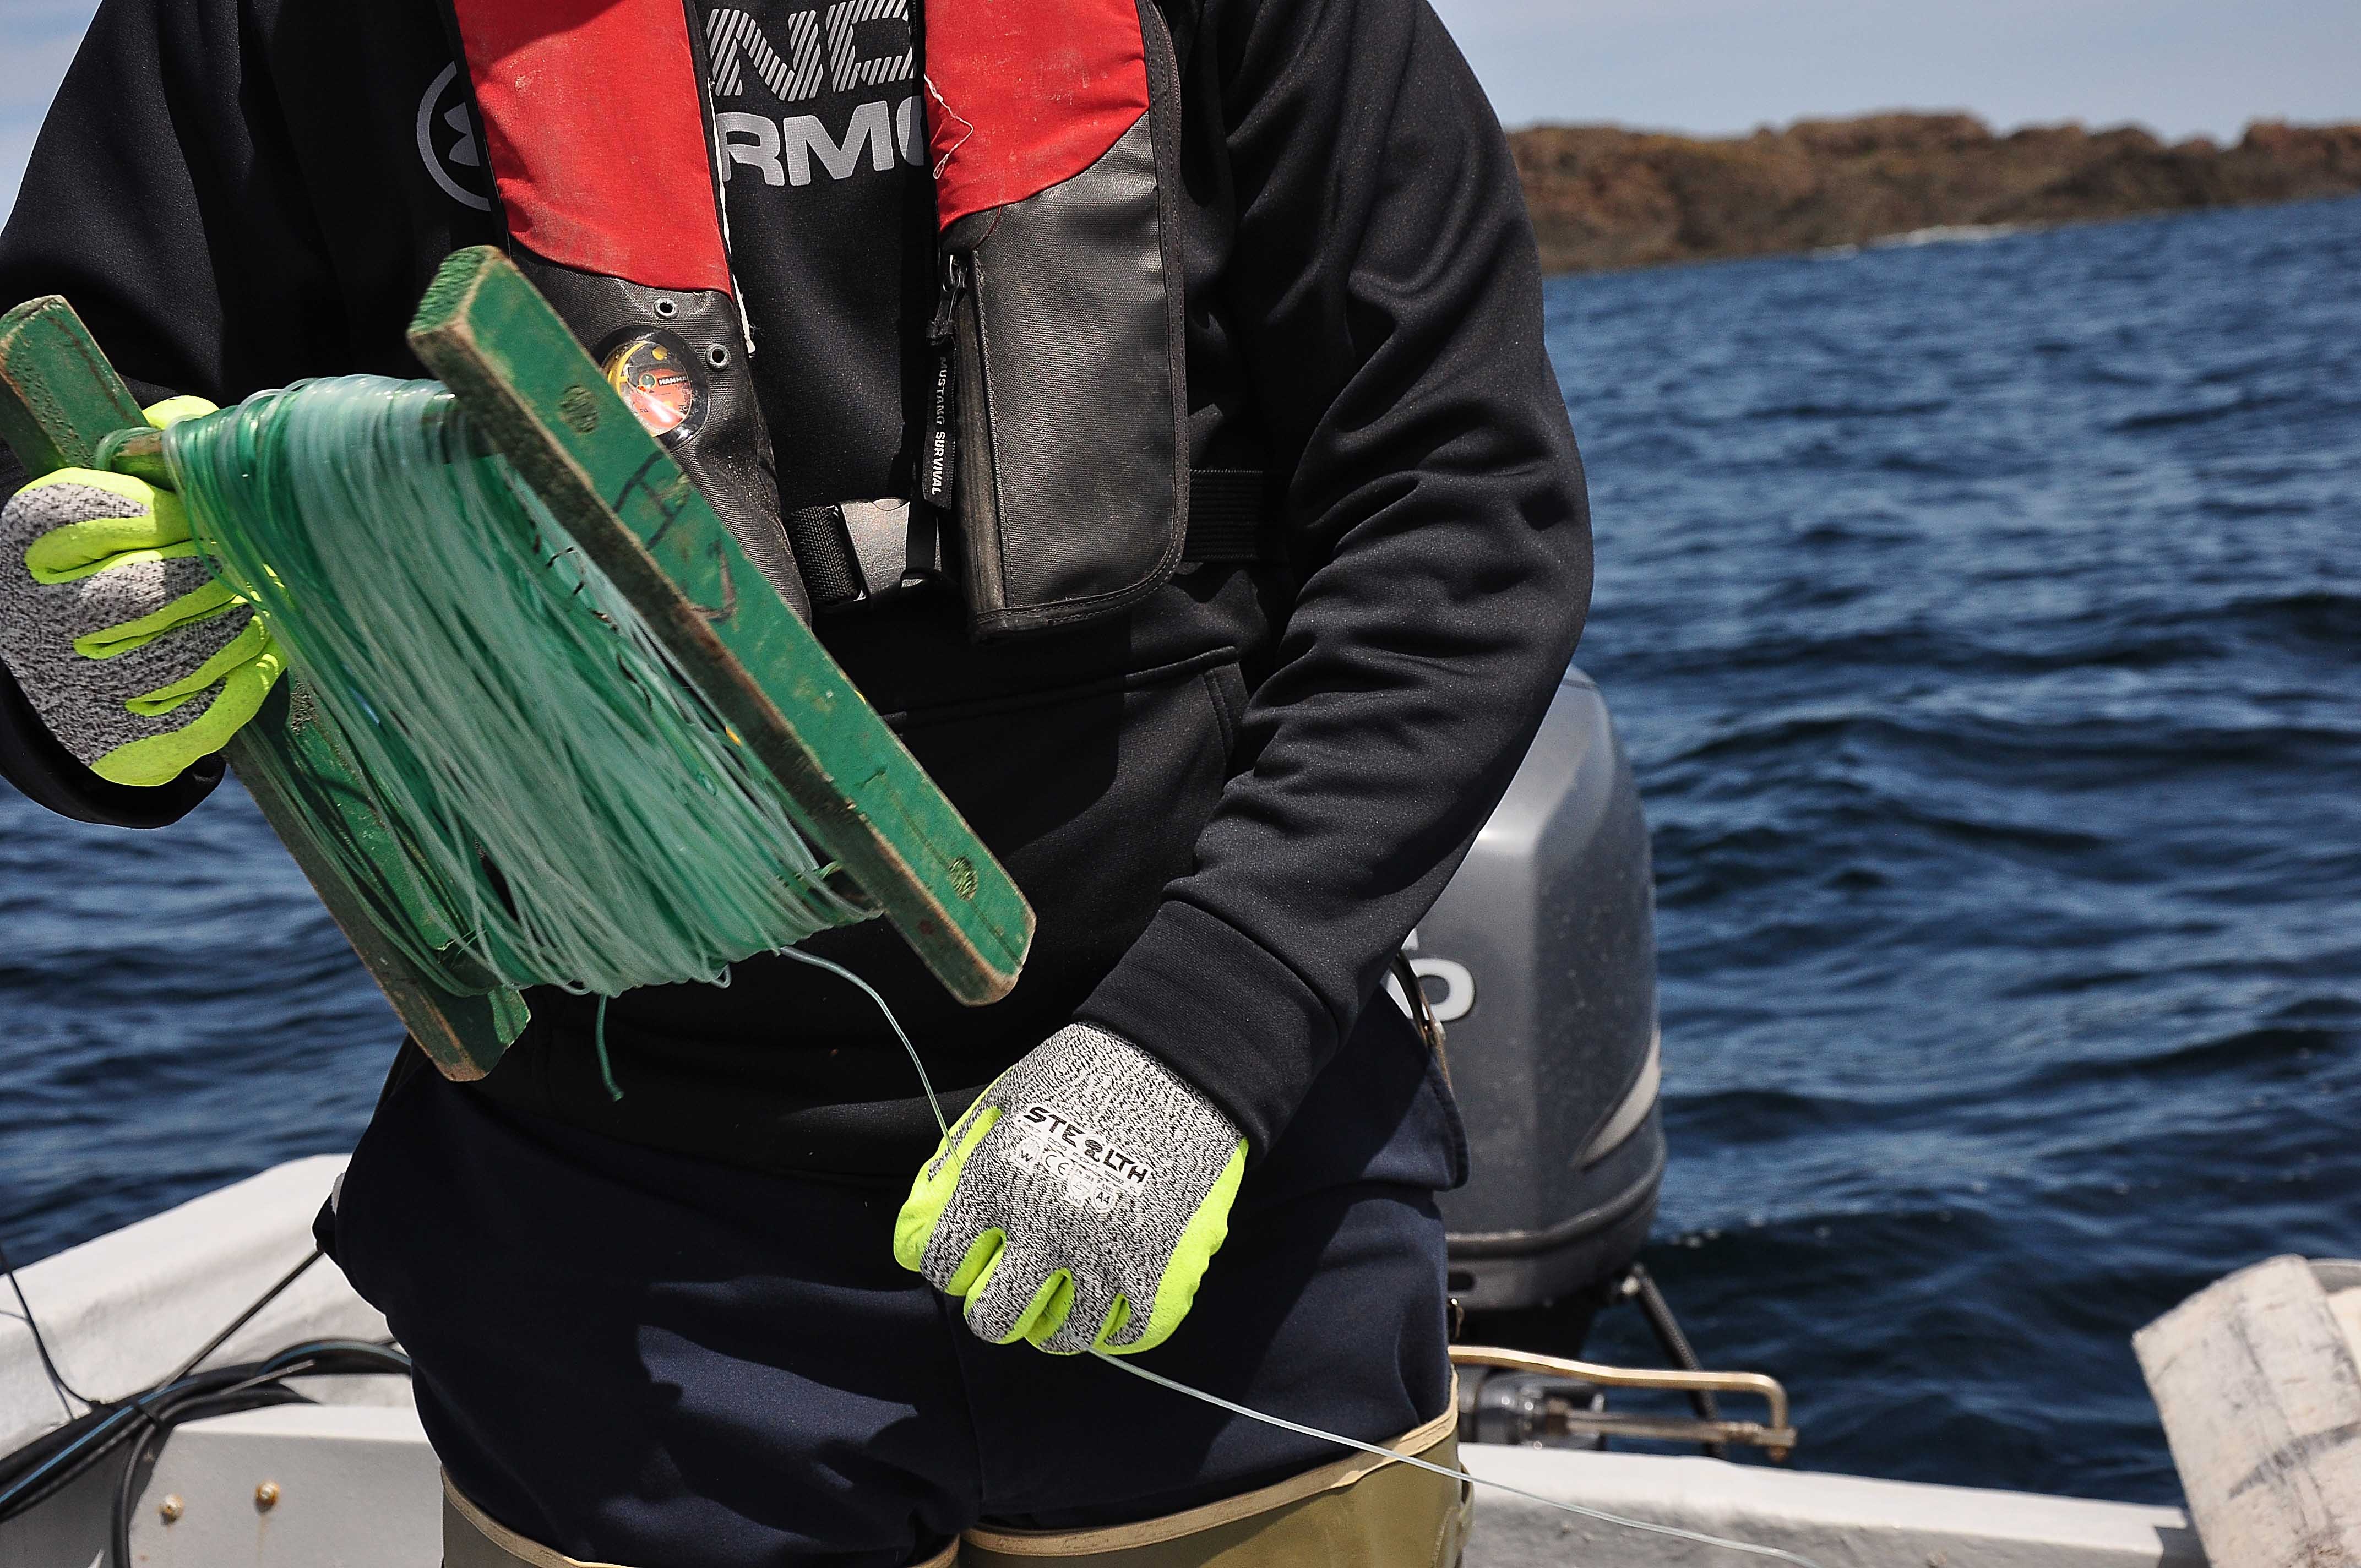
(564, 806)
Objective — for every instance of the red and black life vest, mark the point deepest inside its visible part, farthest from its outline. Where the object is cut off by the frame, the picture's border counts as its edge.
(1059, 450)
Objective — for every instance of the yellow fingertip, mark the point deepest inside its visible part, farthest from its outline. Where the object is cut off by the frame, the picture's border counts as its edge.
(159, 759)
(210, 602)
(229, 666)
(144, 765)
(123, 484)
(976, 1269)
(160, 528)
(172, 411)
(1199, 1240)
(1118, 1318)
(1045, 1310)
(83, 550)
(1045, 1314)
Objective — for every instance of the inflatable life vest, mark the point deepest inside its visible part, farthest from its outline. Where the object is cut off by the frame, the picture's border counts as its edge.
(1058, 446)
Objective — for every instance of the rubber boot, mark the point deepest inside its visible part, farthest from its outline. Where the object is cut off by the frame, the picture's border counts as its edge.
(1360, 1512)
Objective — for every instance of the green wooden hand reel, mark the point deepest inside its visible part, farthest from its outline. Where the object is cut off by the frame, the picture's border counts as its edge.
(529, 388)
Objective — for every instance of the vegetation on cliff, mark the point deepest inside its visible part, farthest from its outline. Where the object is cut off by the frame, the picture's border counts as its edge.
(1602, 196)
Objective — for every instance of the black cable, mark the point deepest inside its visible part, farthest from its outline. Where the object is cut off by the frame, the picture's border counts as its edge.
(41, 1468)
(38, 1472)
(136, 1406)
(252, 1393)
(157, 1427)
(40, 1342)
(246, 1316)
(27, 1477)
(257, 1390)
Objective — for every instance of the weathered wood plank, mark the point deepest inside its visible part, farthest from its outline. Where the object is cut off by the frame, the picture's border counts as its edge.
(2260, 1393)
(538, 396)
(58, 402)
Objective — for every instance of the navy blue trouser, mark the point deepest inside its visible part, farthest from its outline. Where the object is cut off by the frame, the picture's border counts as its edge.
(642, 1358)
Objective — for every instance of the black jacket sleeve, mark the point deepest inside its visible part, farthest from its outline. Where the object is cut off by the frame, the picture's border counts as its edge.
(162, 200)
(1385, 293)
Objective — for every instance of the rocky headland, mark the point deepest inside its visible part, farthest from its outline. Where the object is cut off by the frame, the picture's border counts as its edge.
(1604, 197)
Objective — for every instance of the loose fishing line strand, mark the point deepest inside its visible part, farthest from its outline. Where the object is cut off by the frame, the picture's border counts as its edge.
(572, 811)
(1299, 1429)
(499, 707)
(934, 1103)
(1586, 1511)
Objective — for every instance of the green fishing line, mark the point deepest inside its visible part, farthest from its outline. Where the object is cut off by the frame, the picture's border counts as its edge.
(569, 810)
(573, 812)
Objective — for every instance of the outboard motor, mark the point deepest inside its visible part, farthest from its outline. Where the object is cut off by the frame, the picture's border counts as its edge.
(1540, 961)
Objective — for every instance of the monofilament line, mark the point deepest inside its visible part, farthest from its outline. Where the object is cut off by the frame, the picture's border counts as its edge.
(565, 808)
(569, 809)
(1601, 1515)
(1123, 1363)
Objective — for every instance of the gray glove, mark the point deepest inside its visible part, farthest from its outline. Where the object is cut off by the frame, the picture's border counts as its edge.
(134, 657)
(1078, 1201)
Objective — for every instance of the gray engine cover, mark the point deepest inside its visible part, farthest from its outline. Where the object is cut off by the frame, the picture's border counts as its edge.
(1540, 960)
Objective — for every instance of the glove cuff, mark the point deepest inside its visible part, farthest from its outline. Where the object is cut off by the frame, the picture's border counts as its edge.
(1220, 1010)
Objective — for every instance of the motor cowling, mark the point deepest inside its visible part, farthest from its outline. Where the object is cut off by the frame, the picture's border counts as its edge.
(1540, 961)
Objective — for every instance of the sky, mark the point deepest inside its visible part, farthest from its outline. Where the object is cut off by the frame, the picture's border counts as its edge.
(2179, 67)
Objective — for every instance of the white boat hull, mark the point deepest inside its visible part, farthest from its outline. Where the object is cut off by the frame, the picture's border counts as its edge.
(354, 1483)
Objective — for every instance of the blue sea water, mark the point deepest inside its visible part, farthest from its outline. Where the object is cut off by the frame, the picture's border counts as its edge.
(1981, 619)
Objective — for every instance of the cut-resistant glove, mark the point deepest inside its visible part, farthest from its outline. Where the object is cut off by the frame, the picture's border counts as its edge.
(1078, 1200)
(134, 657)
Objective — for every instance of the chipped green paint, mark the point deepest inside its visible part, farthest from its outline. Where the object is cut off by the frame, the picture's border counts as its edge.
(855, 790)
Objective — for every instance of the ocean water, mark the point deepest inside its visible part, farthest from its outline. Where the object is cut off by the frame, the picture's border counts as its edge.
(1981, 619)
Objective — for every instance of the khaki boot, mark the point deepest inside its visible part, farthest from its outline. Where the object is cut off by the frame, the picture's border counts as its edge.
(1360, 1512)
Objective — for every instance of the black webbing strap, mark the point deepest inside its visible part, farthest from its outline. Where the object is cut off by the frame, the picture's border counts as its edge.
(824, 556)
(1231, 518)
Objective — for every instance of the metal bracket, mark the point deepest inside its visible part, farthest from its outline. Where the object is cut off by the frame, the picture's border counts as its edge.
(1776, 1437)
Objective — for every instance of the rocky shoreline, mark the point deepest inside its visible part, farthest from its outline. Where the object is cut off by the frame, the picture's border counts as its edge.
(1605, 197)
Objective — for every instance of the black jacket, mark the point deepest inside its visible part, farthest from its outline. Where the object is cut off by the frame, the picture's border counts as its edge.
(1228, 803)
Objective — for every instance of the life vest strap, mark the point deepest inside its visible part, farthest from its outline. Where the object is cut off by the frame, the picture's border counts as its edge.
(1232, 517)
(858, 551)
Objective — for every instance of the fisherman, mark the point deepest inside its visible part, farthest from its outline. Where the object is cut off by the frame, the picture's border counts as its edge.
(1147, 402)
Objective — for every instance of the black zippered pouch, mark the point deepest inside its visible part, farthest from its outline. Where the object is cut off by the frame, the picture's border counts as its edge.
(1058, 431)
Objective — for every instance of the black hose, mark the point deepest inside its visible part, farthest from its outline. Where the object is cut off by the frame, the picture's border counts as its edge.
(79, 1430)
(15, 1468)
(260, 1386)
(55, 1460)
